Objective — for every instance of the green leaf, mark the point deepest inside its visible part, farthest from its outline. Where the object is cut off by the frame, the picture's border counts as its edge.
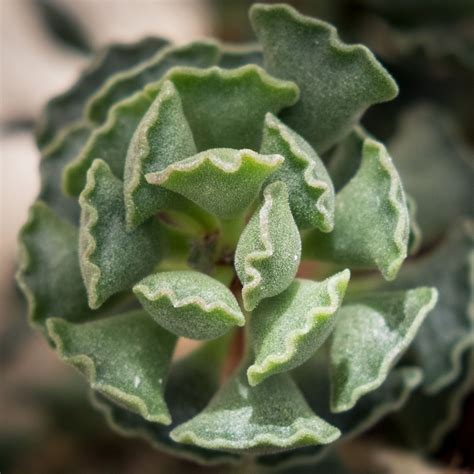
(189, 304)
(108, 142)
(111, 258)
(313, 380)
(162, 137)
(67, 108)
(191, 384)
(450, 327)
(49, 273)
(223, 181)
(237, 55)
(370, 335)
(427, 139)
(338, 82)
(199, 54)
(343, 165)
(124, 357)
(270, 417)
(226, 108)
(371, 220)
(425, 420)
(269, 250)
(311, 193)
(287, 329)
(55, 157)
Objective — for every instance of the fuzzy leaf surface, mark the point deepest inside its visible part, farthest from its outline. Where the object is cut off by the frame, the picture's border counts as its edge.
(191, 384)
(271, 417)
(199, 54)
(49, 273)
(287, 329)
(311, 193)
(370, 335)
(338, 82)
(189, 304)
(223, 181)
(371, 219)
(226, 108)
(111, 258)
(124, 357)
(67, 108)
(269, 250)
(162, 137)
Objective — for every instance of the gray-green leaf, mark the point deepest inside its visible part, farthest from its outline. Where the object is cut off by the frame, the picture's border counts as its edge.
(223, 181)
(269, 250)
(111, 258)
(49, 273)
(271, 417)
(125, 357)
(371, 221)
(370, 335)
(287, 329)
(189, 304)
(338, 82)
(162, 137)
(311, 193)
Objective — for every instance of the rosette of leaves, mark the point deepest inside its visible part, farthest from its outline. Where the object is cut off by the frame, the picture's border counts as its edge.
(182, 188)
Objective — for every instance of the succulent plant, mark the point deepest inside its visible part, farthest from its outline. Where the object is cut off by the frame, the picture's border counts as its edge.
(229, 195)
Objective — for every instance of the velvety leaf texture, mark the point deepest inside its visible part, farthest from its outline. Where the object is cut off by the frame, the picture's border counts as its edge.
(371, 219)
(370, 335)
(226, 194)
(191, 384)
(270, 417)
(338, 82)
(111, 258)
(223, 181)
(311, 193)
(287, 329)
(125, 357)
(226, 108)
(269, 249)
(162, 137)
(189, 304)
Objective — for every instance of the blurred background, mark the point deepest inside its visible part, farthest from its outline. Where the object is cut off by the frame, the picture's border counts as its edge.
(46, 423)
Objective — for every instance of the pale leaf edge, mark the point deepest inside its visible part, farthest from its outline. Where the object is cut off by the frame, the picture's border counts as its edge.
(337, 284)
(389, 358)
(85, 365)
